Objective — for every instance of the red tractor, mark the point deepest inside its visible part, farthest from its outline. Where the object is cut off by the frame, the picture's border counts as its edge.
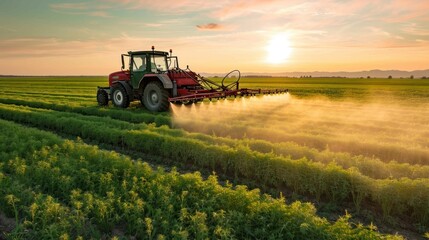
(154, 78)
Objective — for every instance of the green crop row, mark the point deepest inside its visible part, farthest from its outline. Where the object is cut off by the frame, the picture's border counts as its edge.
(385, 151)
(398, 197)
(398, 148)
(69, 190)
(50, 97)
(370, 167)
(41, 93)
(128, 116)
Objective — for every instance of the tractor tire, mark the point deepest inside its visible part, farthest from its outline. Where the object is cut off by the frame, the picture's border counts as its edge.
(102, 97)
(155, 97)
(120, 97)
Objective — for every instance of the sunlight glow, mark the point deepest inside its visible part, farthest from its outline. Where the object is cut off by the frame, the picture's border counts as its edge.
(278, 49)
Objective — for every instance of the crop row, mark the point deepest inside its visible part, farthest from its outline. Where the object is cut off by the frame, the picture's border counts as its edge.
(128, 116)
(277, 118)
(384, 151)
(370, 167)
(314, 149)
(50, 97)
(41, 93)
(397, 197)
(72, 190)
(397, 142)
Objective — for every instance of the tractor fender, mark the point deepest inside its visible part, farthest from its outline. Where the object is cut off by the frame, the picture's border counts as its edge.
(127, 87)
(163, 78)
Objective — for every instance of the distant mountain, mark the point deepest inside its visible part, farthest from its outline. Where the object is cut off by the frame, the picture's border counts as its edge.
(371, 73)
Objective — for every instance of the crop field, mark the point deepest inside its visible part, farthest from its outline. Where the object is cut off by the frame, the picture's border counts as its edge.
(317, 161)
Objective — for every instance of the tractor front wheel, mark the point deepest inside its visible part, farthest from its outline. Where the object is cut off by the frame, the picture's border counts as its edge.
(155, 97)
(102, 97)
(120, 97)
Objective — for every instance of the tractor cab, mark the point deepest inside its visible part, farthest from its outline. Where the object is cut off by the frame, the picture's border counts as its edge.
(141, 63)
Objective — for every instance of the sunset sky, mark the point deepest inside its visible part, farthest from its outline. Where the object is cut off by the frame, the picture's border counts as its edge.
(47, 37)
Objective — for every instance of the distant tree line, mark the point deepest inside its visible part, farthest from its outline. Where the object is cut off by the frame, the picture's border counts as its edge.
(257, 76)
(411, 77)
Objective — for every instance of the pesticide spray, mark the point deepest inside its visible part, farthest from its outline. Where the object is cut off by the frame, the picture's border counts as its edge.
(374, 127)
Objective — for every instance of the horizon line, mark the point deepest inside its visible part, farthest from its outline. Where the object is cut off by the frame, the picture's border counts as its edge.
(219, 73)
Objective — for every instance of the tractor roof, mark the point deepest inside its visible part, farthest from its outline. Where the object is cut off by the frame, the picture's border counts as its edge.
(148, 52)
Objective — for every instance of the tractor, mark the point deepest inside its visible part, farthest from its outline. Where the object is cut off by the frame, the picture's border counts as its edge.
(154, 78)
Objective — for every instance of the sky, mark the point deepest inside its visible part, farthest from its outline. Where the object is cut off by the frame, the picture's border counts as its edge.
(66, 37)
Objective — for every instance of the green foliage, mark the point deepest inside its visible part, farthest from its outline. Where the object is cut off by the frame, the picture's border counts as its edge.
(303, 176)
(59, 189)
(130, 198)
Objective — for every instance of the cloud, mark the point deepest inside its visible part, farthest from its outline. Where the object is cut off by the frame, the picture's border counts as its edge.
(70, 6)
(153, 24)
(43, 47)
(171, 6)
(422, 41)
(343, 23)
(310, 24)
(415, 29)
(52, 47)
(97, 14)
(210, 26)
(85, 8)
(244, 7)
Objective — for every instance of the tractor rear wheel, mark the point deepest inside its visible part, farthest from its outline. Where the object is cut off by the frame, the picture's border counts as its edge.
(120, 97)
(155, 97)
(102, 97)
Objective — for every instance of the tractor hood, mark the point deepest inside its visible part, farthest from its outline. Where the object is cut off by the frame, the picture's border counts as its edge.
(119, 76)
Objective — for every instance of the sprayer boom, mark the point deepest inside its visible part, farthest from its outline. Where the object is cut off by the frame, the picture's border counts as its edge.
(196, 97)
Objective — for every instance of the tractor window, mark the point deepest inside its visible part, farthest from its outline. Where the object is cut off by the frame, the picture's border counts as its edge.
(172, 62)
(139, 63)
(158, 64)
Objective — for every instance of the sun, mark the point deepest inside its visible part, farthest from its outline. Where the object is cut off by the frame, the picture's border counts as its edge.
(278, 49)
